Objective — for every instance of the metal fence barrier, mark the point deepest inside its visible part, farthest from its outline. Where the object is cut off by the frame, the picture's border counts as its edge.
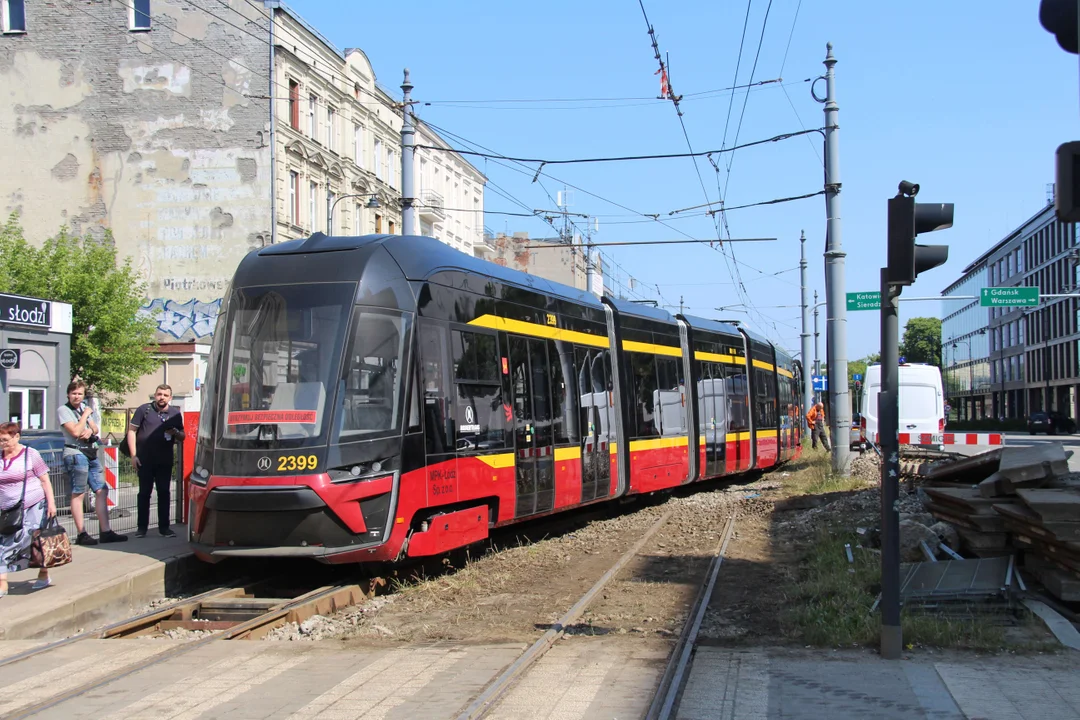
(123, 516)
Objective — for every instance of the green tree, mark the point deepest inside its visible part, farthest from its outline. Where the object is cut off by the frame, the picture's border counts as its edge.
(109, 338)
(922, 341)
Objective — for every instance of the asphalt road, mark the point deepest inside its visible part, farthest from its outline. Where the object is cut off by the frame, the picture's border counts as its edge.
(1022, 439)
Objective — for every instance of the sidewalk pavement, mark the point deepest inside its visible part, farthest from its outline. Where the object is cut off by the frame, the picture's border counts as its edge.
(760, 684)
(102, 584)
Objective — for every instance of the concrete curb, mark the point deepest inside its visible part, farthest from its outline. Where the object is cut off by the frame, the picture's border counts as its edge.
(111, 601)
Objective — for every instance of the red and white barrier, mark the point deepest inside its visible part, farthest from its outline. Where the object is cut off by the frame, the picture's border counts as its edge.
(110, 461)
(948, 439)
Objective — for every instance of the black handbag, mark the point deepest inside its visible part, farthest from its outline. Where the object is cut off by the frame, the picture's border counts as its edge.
(11, 519)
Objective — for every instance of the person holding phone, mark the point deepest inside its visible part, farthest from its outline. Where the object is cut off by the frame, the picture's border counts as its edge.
(153, 430)
(81, 425)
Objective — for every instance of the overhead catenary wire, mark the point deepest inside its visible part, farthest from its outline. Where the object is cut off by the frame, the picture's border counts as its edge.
(528, 172)
(618, 158)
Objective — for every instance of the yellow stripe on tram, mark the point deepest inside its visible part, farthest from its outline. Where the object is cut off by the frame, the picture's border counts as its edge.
(763, 365)
(497, 461)
(735, 437)
(715, 357)
(658, 443)
(766, 433)
(785, 373)
(522, 327)
(567, 453)
(651, 348)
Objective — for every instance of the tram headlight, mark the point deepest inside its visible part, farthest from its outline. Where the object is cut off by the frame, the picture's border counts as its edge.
(200, 476)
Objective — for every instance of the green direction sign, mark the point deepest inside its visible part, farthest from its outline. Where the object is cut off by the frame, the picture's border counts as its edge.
(1009, 297)
(864, 301)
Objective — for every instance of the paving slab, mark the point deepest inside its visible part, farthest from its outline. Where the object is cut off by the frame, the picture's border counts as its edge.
(102, 584)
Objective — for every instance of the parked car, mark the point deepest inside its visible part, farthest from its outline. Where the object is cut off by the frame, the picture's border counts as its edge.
(1050, 423)
(855, 433)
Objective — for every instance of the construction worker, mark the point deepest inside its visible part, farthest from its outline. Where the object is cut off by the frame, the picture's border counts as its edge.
(815, 420)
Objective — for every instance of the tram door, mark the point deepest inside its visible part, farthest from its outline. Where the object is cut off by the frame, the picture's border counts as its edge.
(597, 422)
(534, 455)
(713, 417)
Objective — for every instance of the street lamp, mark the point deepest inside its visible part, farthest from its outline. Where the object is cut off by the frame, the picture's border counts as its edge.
(372, 204)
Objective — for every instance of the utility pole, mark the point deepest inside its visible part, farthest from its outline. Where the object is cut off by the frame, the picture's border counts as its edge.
(408, 143)
(835, 285)
(808, 389)
(817, 337)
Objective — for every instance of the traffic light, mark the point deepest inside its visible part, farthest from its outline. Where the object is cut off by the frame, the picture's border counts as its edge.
(1059, 18)
(1067, 182)
(907, 219)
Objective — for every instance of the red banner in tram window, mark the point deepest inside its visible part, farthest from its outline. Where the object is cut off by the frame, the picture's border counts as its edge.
(273, 417)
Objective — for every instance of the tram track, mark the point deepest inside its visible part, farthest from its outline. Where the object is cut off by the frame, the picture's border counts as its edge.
(247, 618)
(673, 679)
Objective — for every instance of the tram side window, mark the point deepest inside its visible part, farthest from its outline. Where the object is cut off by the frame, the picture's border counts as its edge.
(438, 420)
(564, 392)
(481, 423)
(668, 397)
(643, 371)
(738, 406)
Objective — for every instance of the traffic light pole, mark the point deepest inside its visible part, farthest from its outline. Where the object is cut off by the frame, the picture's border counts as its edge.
(835, 287)
(889, 425)
(906, 259)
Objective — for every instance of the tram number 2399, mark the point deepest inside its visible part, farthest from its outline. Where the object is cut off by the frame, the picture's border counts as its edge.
(296, 462)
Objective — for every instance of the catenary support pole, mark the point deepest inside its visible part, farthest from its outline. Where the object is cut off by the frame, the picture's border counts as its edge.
(817, 337)
(808, 389)
(835, 287)
(408, 144)
(888, 426)
(271, 9)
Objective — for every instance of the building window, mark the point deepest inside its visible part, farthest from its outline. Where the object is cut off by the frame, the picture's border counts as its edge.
(312, 129)
(358, 145)
(391, 168)
(378, 223)
(14, 16)
(138, 14)
(330, 115)
(294, 197)
(313, 192)
(357, 224)
(294, 104)
(378, 159)
(330, 212)
(392, 227)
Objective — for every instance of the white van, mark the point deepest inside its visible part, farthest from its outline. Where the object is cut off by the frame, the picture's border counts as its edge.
(922, 402)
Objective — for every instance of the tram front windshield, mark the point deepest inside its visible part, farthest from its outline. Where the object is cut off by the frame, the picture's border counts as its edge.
(283, 360)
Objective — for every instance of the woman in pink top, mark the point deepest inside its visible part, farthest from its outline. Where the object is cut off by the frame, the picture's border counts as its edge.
(18, 465)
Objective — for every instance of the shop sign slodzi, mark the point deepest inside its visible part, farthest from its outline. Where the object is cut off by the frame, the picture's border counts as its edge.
(18, 310)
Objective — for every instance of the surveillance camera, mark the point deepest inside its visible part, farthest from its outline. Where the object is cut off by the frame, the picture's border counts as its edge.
(909, 188)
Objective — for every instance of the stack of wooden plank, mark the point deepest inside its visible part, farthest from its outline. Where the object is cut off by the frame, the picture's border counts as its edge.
(980, 528)
(1046, 525)
(1025, 500)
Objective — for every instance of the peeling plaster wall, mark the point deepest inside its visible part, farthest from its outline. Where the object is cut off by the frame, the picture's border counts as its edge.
(153, 135)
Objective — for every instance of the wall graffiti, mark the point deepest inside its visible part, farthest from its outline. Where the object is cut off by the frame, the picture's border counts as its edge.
(189, 320)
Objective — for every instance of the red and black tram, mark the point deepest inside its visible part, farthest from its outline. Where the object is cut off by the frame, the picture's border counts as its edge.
(371, 398)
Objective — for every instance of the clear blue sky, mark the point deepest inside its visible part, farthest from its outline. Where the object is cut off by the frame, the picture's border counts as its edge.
(969, 100)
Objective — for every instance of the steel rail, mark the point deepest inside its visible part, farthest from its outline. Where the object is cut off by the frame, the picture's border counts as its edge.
(671, 684)
(488, 699)
(116, 629)
(278, 612)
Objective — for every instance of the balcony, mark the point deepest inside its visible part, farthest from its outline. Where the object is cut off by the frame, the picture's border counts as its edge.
(485, 249)
(432, 209)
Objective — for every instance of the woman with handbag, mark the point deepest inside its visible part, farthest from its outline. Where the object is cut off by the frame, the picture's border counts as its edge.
(26, 500)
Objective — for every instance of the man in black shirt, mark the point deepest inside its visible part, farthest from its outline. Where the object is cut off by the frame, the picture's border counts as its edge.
(154, 427)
